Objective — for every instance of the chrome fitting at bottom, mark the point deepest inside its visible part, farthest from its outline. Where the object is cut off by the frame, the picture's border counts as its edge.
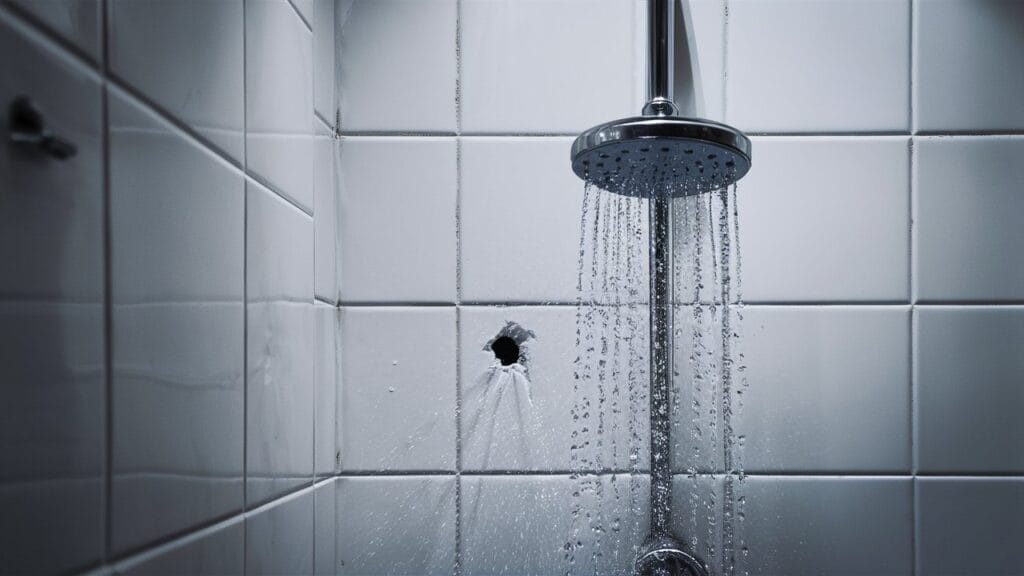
(663, 556)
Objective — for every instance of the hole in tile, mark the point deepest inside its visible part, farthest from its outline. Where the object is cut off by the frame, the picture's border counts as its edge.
(508, 344)
(505, 350)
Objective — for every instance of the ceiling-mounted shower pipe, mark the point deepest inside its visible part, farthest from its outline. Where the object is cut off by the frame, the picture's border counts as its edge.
(660, 59)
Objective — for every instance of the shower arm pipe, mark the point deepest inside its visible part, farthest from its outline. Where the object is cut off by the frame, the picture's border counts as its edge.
(661, 70)
(660, 29)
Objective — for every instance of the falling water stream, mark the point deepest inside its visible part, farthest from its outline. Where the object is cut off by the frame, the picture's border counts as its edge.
(610, 450)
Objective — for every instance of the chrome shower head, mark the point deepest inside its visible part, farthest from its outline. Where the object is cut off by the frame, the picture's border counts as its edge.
(667, 156)
(661, 154)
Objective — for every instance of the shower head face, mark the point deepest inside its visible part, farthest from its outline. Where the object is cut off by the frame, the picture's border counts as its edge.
(661, 156)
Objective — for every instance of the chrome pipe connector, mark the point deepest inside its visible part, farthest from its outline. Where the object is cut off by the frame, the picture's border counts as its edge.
(664, 556)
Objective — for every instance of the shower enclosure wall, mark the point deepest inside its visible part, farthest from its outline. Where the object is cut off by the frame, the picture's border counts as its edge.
(882, 308)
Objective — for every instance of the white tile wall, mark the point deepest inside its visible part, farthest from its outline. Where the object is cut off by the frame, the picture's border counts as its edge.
(79, 21)
(697, 519)
(807, 526)
(519, 220)
(187, 57)
(279, 109)
(548, 66)
(279, 539)
(52, 400)
(210, 552)
(397, 65)
(970, 526)
(325, 225)
(396, 525)
(325, 60)
(837, 252)
(327, 326)
(325, 522)
(396, 220)
(522, 524)
(513, 422)
(178, 323)
(164, 179)
(967, 226)
(306, 9)
(280, 344)
(399, 364)
(972, 83)
(969, 392)
(829, 389)
(809, 66)
(826, 219)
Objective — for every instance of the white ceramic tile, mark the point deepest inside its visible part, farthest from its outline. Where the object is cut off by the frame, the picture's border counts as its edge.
(396, 526)
(807, 526)
(520, 417)
(325, 59)
(397, 219)
(826, 219)
(828, 389)
(177, 214)
(187, 57)
(969, 526)
(51, 524)
(704, 85)
(520, 220)
(968, 232)
(546, 66)
(325, 221)
(279, 98)
(281, 345)
(57, 206)
(326, 387)
(52, 400)
(523, 525)
(398, 365)
(214, 551)
(698, 518)
(79, 21)
(975, 82)
(806, 66)
(397, 65)
(279, 539)
(969, 393)
(325, 520)
(178, 329)
(697, 443)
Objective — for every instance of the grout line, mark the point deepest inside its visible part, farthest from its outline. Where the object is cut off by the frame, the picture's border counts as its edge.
(912, 69)
(323, 121)
(143, 101)
(764, 134)
(140, 99)
(279, 193)
(308, 24)
(457, 569)
(108, 305)
(245, 284)
(321, 300)
(25, 17)
(746, 303)
(912, 286)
